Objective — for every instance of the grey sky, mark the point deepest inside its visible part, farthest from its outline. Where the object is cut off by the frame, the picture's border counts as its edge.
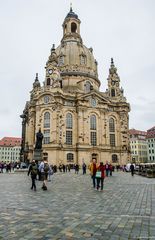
(122, 29)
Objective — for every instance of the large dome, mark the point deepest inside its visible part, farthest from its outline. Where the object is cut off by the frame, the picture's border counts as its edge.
(74, 56)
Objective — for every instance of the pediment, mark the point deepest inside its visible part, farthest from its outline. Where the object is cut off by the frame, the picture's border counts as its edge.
(99, 97)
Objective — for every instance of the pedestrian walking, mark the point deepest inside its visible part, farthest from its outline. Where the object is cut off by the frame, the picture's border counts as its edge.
(93, 169)
(33, 170)
(44, 169)
(50, 173)
(132, 168)
(107, 169)
(84, 167)
(100, 175)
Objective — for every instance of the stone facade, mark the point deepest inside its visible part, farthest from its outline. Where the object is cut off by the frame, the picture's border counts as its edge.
(78, 121)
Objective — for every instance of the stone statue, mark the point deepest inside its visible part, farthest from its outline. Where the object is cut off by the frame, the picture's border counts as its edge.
(39, 138)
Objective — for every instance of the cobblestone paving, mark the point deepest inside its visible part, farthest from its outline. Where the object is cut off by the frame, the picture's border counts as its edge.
(72, 209)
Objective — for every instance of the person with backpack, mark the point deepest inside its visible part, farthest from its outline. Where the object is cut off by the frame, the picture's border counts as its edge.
(33, 169)
(44, 169)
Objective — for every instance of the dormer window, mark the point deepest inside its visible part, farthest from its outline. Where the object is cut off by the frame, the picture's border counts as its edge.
(61, 60)
(87, 87)
(73, 27)
(82, 59)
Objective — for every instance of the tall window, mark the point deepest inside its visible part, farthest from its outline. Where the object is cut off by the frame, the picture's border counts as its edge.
(113, 92)
(111, 125)
(48, 81)
(69, 127)
(93, 133)
(46, 138)
(47, 120)
(112, 132)
(73, 27)
(69, 121)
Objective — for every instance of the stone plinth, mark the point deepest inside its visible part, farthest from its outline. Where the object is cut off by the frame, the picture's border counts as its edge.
(37, 155)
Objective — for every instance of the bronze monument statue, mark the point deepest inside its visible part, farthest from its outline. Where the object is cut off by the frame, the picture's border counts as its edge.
(39, 138)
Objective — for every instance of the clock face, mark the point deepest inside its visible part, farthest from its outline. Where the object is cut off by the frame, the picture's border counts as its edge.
(93, 102)
(50, 71)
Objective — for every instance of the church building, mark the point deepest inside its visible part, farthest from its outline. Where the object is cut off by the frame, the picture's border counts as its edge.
(78, 121)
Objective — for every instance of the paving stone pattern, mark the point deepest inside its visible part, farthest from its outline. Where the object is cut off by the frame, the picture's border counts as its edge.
(72, 209)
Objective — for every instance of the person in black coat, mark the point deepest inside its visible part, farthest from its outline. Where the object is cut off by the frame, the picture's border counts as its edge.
(132, 168)
(33, 170)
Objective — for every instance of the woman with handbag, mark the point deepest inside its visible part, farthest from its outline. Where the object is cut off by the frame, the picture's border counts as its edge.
(100, 175)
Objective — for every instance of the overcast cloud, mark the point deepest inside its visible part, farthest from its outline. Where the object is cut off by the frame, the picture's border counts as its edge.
(122, 29)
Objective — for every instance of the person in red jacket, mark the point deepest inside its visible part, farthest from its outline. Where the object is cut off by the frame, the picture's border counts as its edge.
(101, 168)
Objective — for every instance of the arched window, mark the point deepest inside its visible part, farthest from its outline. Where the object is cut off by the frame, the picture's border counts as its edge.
(87, 87)
(114, 158)
(111, 125)
(70, 157)
(73, 27)
(93, 133)
(92, 122)
(69, 127)
(48, 81)
(46, 128)
(46, 120)
(113, 92)
(69, 121)
(112, 132)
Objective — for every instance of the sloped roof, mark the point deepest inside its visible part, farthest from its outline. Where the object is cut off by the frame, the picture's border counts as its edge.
(10, 141)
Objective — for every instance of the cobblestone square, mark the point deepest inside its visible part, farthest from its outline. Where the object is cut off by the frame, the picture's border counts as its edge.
(72, 209)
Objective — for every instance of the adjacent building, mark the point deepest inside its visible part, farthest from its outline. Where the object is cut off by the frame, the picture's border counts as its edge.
(10, 149)
(78, 121)
(138, 146)
(151, 144)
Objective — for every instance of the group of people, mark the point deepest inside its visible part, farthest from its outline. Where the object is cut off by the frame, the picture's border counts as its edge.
(8, 166)
(99, 172)
(43, 171)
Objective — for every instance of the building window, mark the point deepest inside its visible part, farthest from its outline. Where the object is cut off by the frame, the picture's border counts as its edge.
(69, 137)
(93, 133)
(111, 125)
(48, 81)
(93, 138)
(69, 121)
(93, 122)
(112, 132)
(47, 120)
(82, 60)
(46, 136)
(70, 157)
(112, 140)
(114, 158)
(61, 60)
(113, 92)
(73, 27)
(87, 87)
(69, 125)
